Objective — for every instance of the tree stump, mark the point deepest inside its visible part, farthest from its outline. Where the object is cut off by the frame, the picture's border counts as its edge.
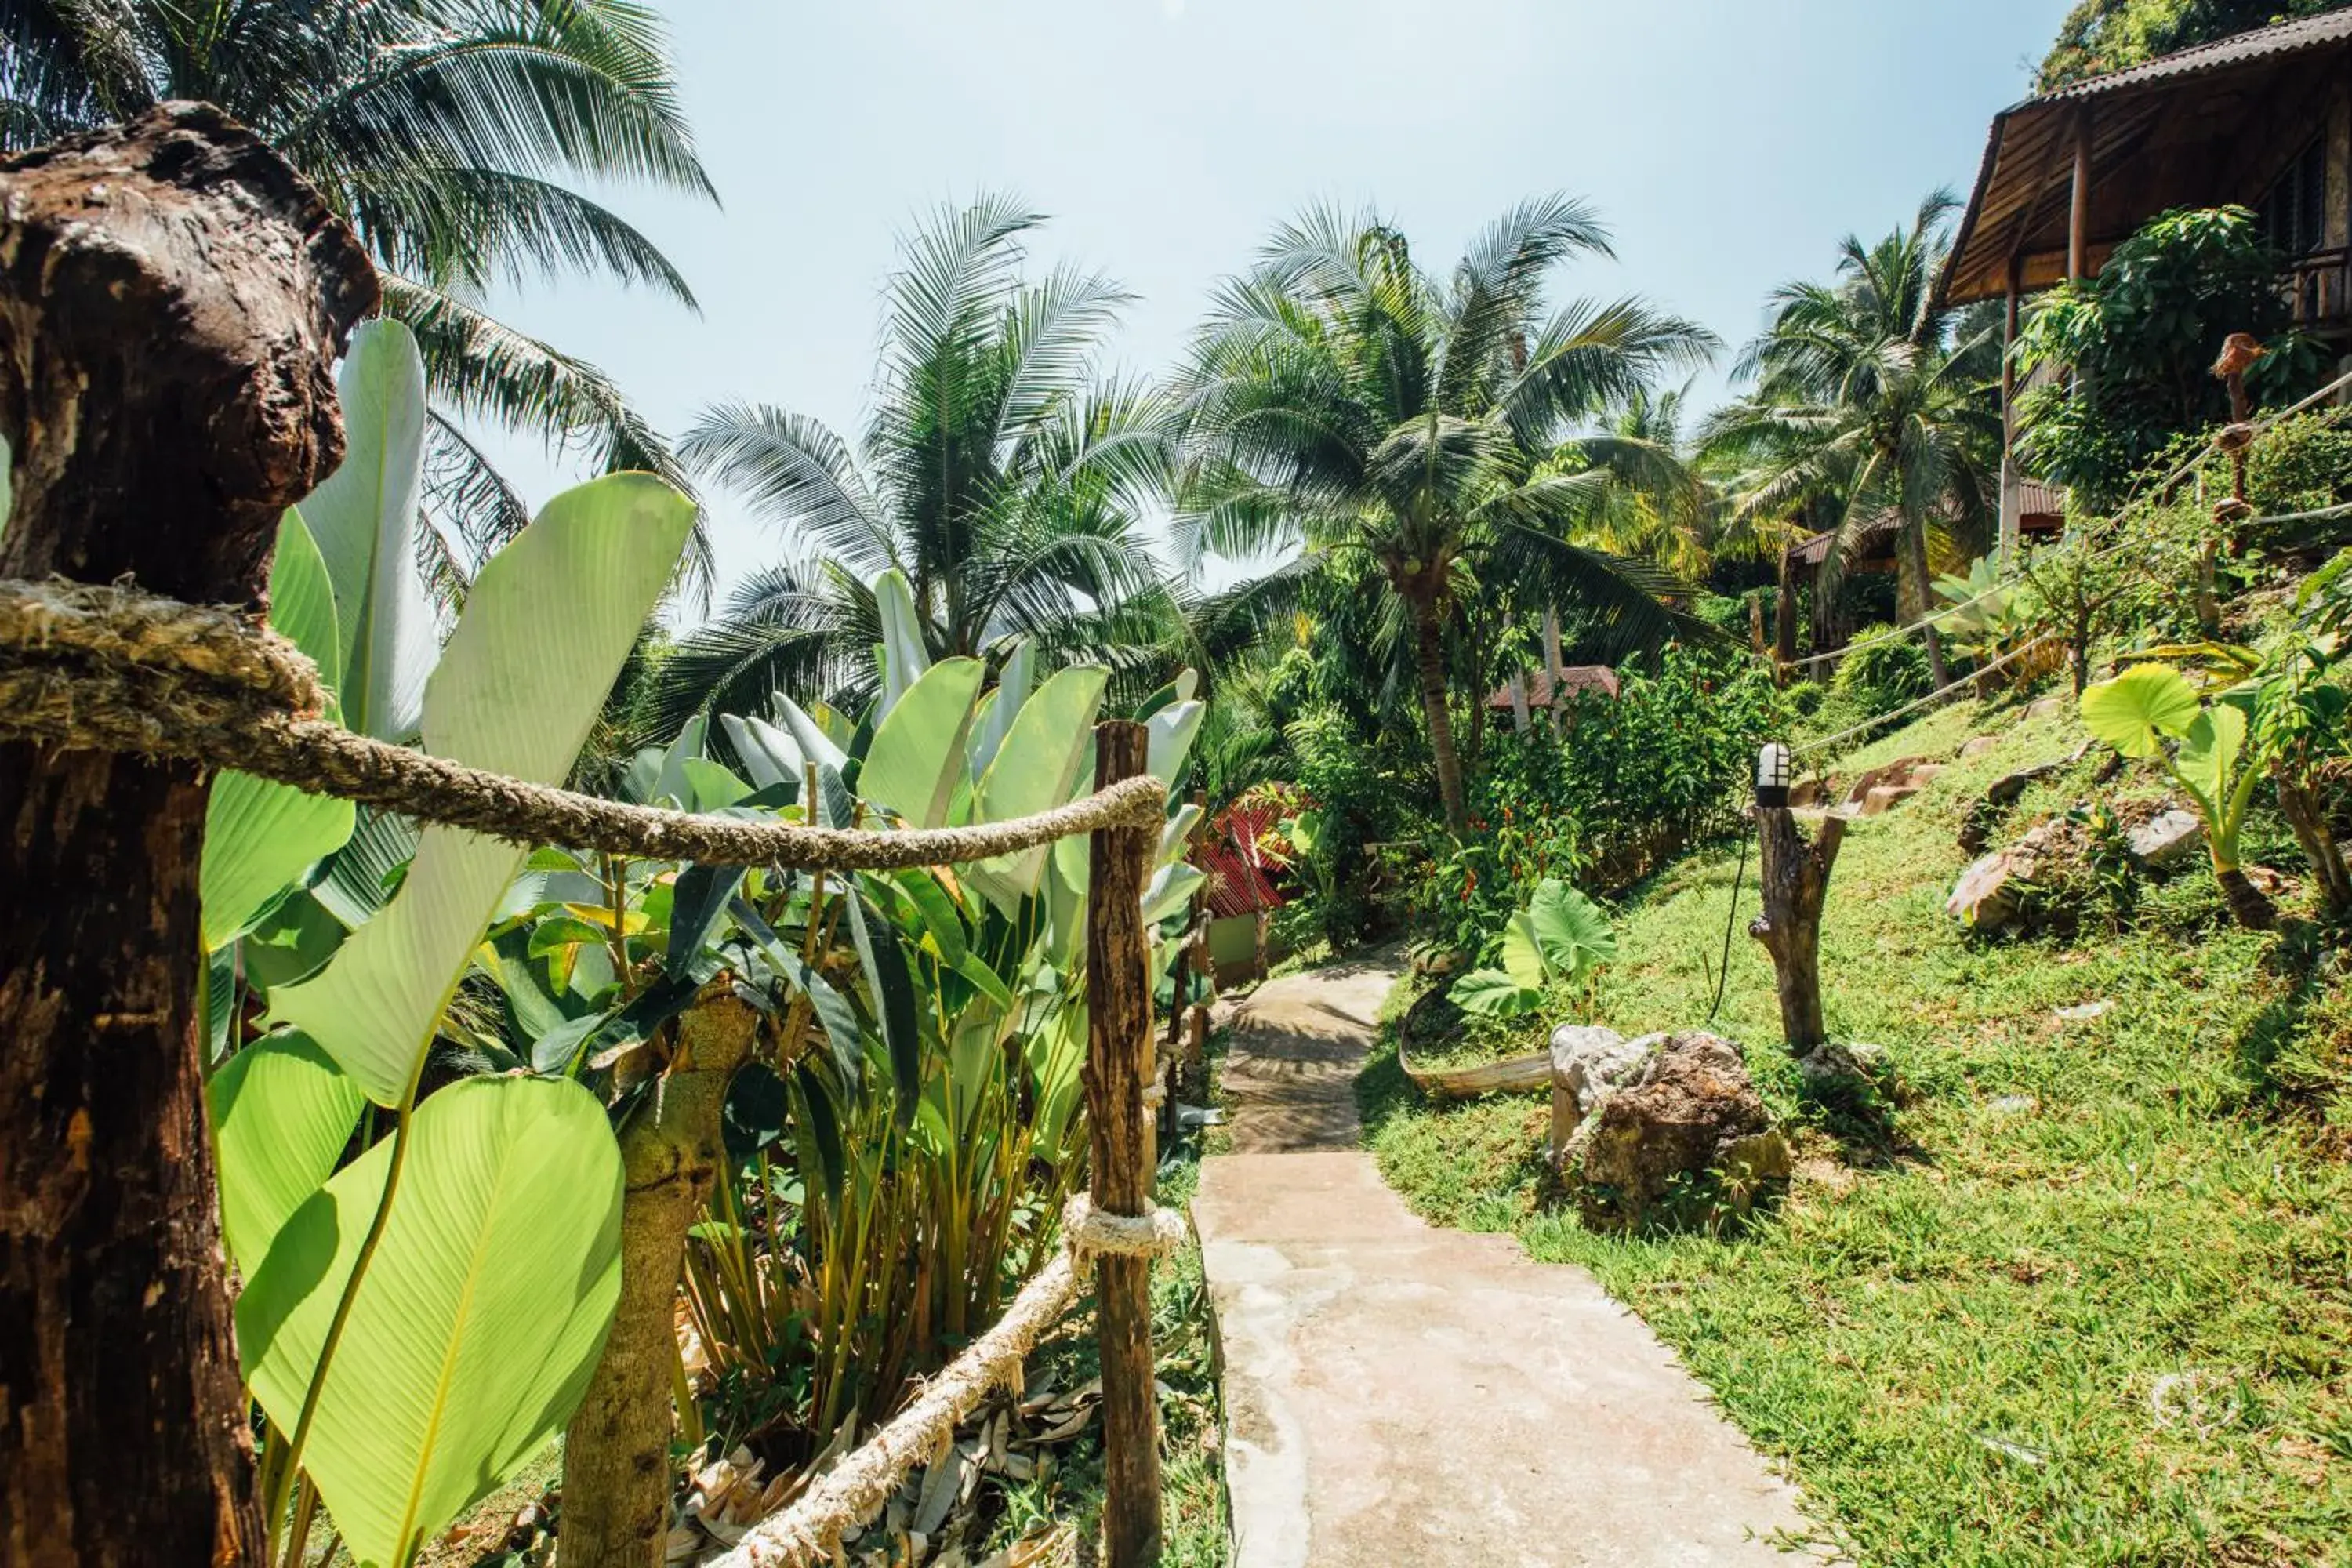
(1794, 876)
(171, 297)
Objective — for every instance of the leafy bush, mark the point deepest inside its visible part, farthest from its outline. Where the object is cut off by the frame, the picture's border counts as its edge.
(1803, 698)
(1883, 674)
(1561, 937)
(2142, 335)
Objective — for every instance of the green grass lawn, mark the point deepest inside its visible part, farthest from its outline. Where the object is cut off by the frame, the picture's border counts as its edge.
(2088, 1301)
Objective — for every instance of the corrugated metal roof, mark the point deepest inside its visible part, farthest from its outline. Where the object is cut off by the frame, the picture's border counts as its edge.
(1239, 883)
(2017, 211)
(1813, 551)
(2279, 39)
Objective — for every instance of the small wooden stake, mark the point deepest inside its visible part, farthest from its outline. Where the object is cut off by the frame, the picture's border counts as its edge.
(1795, 875)
(1118, 1066)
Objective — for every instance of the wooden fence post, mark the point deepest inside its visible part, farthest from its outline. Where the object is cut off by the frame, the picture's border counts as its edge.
(1118, 1066)
(172, 298)
(1794, 876)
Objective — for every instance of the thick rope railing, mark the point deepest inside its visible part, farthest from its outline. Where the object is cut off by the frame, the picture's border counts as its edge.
(810, 1529)
(114, 669)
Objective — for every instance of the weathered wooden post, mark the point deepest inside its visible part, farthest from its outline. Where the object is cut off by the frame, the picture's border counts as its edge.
(1794, 876)
(1119, 1067)
(171, 297)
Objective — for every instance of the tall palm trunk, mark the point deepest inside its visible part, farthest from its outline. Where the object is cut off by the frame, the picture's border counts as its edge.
(1911, 545)
(1428, 648)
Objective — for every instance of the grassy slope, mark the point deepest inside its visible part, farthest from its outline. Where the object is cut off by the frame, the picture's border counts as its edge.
(2092, 1306)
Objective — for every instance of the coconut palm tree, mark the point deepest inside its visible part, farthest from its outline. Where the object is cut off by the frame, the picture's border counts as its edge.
(1868, 392)
(446, 131)
(1341, 399)
(997, 472)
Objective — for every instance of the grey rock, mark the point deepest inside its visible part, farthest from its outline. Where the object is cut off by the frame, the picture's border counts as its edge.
(1977, 745)
(1988, 898)
(2169, 837)
(1690, 1109)
(1587, 1061)
(2082, 1012)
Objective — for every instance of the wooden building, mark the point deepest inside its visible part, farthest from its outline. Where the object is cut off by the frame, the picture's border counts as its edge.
(2261, 119)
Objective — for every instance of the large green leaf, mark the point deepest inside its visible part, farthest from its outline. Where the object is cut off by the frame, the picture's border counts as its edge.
(2138, 707)
(482, 1312)
(2208, 762)
(1522, 956)
(281, 1112)
(918, 754)
(258, 835)
(1492, 993)
(1570, 929)
(364, 517)
(522, 679)
(1048, 744)
(1002, 705)
(1169, 735)
(904, 658)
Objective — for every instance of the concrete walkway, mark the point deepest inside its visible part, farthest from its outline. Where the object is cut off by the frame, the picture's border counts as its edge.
(1424, 1398)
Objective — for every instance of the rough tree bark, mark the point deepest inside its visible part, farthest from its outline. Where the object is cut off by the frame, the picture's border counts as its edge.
(1793, 876)
(1429, 660)
(617, 1451)
(2307, 814)
(1120, 1157)
(171, 296)
(1912, 540)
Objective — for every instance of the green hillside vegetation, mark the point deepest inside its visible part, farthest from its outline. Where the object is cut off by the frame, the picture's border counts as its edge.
(2087, 1298)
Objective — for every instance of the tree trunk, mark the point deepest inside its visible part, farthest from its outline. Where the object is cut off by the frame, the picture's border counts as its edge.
(1428, 648)
(1913, 543)
(617, 1481)
(1793, 879)
(2301, 805)
(1122, 1157)
(2249, 905)
(171, 297)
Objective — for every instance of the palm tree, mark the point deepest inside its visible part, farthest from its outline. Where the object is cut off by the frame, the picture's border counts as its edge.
(445, 132)
(1341, 399)
(996, 471)
(1870, 394)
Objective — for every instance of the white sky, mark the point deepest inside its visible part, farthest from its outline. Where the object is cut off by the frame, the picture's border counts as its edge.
(1727, 143)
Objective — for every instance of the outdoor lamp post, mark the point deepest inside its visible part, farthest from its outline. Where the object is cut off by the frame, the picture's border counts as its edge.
(1772, 769)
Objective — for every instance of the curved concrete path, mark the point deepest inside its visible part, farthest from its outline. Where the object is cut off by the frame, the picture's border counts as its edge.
(1422, 1398)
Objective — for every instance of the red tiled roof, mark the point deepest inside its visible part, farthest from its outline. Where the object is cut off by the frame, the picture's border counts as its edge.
(1574, 678)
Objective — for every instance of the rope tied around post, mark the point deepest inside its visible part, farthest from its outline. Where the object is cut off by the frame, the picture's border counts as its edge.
(114, 669)
(1093, 1233)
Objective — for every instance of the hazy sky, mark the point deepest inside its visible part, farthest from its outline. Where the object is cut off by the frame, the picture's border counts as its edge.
(1727, 143)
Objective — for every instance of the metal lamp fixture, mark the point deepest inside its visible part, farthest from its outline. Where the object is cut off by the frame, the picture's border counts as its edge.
(1773, 766)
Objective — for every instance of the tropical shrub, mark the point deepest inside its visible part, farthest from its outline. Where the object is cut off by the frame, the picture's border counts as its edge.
(1882, 672)
(1561, 937)
(2141, 338)
(417, 1320)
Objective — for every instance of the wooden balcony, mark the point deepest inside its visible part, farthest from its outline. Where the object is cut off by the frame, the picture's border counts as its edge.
(2320, 288)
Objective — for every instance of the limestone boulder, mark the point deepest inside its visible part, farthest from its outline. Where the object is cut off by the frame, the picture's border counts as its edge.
(1688, 1116)
(1587, 1061)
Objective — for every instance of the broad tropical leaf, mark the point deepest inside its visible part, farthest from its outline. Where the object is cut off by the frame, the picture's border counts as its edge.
(258, 835)
(482, 1312)
(1491, 994)
(281, 1113)
(2132, 711)
(1047, 746)
(365, 520)
(917, 756)
(2208, 762)
(517, 688)
(1570, 929)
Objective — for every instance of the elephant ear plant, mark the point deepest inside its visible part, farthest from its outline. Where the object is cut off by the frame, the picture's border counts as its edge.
(420, 1316)
(2278, 710)
(1560, 937)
